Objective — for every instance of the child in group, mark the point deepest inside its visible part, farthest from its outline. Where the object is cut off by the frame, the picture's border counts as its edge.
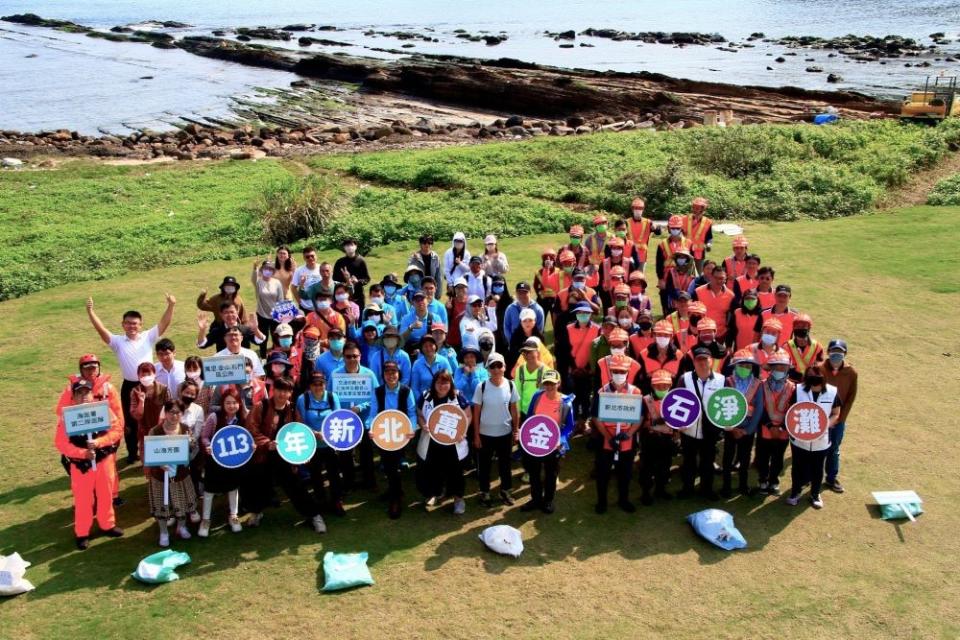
(218, 479)
(182, 501)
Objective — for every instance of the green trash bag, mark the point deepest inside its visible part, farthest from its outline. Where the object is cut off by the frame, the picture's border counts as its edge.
(159, 567)
(345, 570)
(894, 512)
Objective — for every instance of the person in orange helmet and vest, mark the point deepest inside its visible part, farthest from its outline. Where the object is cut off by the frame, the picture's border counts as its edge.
(548, 281)
(580, 336)
(747, 280)
(660, 354)
(93, 469)
(699, 230)
(578, 249)
(639, 299)
(678, 279)
(621, 300)
(718, 299)
(665, 255)
(618, 341)
(765, 291)
(804, 350)
(568, 264)
(745, 322)
(706, 338)
(102, 390)
(736, 264)
(766, 346)
(778, 392)
(620, 231)
(656, 441)
(617, 263)
(596, 246)
(738, 442)
(639, 230)
(782, 311)
(618, 446)
(698, 442)
(680, 319)
(642, 336)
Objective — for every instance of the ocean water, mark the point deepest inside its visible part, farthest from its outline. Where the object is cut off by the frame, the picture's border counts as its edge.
(51, 79)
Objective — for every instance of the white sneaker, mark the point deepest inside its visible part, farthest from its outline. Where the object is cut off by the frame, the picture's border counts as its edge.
(432, 501)
(204, 530)
(318, 524)
(235, 525)
(817, 502)
(254, 520)
(164, 540)
(793, 501)
(194, 517)
(171, 522)
(459, 507)
(183, 532)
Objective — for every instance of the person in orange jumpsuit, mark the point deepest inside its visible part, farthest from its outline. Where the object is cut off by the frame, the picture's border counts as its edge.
(93, 469)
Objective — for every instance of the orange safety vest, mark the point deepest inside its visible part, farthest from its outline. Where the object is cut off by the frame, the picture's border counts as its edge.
(670, 245)
(734, 268)
(680, 281)
(595, 244)
(639, 234)
(776, 405)
(746, 328)
(749, 395)
(551, 283)
(652, 364)
(580, 340)
(604, 366)
(803, 359)
(610, 428)
(746, 283)
(607, 265)
(718, 305)
(697, 234)
(564, 297)
(767, 298)
(639, 343)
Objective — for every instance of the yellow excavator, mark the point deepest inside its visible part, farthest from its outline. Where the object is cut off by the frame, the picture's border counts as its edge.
(937, 101)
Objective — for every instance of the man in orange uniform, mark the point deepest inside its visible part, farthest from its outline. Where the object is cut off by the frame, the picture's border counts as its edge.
(618, 347)
(698, 229)
(744, 322)
(596, 248)
(619, 447)
(660, 355)
(773, 440)
(749, 279)
(93, 469)
(656, 441)
(782, 311)
(803, 349)
(638, 232)
(665, 255)
(580, 335)
(763, 349)
(717, 298)
(736, 265)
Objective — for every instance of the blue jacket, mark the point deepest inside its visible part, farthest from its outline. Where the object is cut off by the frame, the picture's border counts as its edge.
(467, 383)
(752, 422)
(313, 411)
(511, 318)
(399, 356)
(417, 334)
(450, 354)
(566, 417)
(391, 400)
(438, 309)
(422, 374)
(328, 363)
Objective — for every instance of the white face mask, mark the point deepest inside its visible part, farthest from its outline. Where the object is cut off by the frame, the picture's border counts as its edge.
(768, 339)
(147, 380)
(377, 301)
(374, 318)
(626, 323)
(193, 375)
(618, 351)
(324, 304)
(663, 342)
(619, 379)
(579, 284)
(342, 297)
(230, 290)
(637, 215)
(675, 232)
(548, 264)
(616, 253)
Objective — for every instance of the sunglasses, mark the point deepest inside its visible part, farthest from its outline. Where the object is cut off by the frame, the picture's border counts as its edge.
(495, 365)
(352, 356)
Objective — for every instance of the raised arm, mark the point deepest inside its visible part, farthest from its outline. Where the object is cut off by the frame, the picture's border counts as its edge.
(167, 316)
(97, 323)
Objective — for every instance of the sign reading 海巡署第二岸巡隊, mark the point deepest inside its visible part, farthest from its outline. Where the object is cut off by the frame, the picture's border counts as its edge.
(222, 370)
(81, 419)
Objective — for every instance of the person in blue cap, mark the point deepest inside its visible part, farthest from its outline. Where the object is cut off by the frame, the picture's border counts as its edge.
(843, 376)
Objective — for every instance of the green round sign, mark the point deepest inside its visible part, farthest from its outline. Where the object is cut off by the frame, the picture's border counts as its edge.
(727, 408)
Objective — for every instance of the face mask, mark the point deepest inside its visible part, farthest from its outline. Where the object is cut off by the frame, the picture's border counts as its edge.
(548, 264)
(187, 400)
(337, 345)
(575, 242)
(620, 304)
(662, 343)
(750, 304)
(323, 304)
(601, 228)
(378, 300)
(836, 359)
(498, 289)
(579, 284)
(583, 318)
(621, 234)
(706, 338)
(486, 346)
(568, 270)
(681, 262)
(147, 380)
(390, 289)
(814, 381)
(267, 273)
(415, 281)
(675, 232)
(768, 339)
(646, 326)
(618, 351)
(193, 375)
(374, 318)
(286, 342)
(660, 393)
(636, 290)
(801, 333)
(458, 244)
(277, 369)
(391, 343)
(342, 297)
(743, 372)
(626, 323)
(616, 253)
(230, 290)
(778, 375)
(637, 215)
(619, 379)
(350, 249)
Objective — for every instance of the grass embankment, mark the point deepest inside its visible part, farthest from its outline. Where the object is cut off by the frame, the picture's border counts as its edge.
(887, 282)
(86, 222)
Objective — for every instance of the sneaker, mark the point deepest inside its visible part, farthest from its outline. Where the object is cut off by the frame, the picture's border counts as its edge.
(835, 486)
(119, 502)
(817, 502)
(627, 506)
(183, 532)
(459, 507)
(171, 522)
(529, 506)
(432, 501)
(115, 532)
(548, 508)
(318, 524)
(506, 498)
(82, 543)
(164, 540)
(762, 487)
(745, 490)
(793, 501)
(235, 525)
(255, 519)
(485, 499)
(204, 530)
(194, 517)
(773, 489)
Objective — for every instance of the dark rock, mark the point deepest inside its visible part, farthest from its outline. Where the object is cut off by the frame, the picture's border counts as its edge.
(219, 32)
(297, 27)
(121, 30)
(780, 59)
(264, 33)
(494, 40)
(514, 121)
(575, 121)
(300, 84)
(566, 46)
(567, 35)
(814, 69)
(586, 44)
(243, 38)
(833, 77)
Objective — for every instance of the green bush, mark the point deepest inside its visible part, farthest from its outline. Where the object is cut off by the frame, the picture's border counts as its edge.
(296, 208)
(945, 192)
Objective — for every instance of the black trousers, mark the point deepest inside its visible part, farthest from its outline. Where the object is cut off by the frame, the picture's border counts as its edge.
(129, 424)
(623, 467)
(770, 459)
(807, 467)
(326, 460)
(542, 489)
(582, 387)
(698, 456)
(736, 450)
(391, 467)
(364, 451)
(502, 446)
(441, 473)
(266, 326)
(656, 453)
(258, 488)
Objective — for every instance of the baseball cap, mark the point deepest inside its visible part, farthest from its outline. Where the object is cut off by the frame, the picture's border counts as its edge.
(610, 320)
(460, 282)
(495, 357)
(390, 278)
(583, 307)
(530, 344)
(551, 376)
(419, 294)
(82, 385)
(490, 239)
(476, 260)
(311, 332)
(683, 295)
(702, 352)
(284, 329)
(528, 314)
(474, 298)
(837, 343)
(783, 288)
(523, 286)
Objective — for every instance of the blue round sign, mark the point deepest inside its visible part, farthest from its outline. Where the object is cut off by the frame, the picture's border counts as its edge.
(232, 447)
(296, 443)
(342, 430)
(284, 311)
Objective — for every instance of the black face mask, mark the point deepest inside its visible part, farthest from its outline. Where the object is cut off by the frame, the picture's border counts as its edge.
(801, 333)
(694, 320)
(187, 400)
(646, 326)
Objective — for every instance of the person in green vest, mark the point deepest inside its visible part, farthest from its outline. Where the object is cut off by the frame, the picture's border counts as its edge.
(528, 374)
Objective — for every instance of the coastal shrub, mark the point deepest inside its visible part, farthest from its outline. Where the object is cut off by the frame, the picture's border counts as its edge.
(735, 153)
(435, 176)
(946, 192)
(658, 186)
(295, 208)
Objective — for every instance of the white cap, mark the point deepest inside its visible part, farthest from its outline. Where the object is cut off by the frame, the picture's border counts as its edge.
(473, 298)
(528, 314)
(495, 357)
(460, 282)
(490, 239)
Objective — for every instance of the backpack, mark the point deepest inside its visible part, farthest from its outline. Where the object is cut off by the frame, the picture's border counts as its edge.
(483, 391)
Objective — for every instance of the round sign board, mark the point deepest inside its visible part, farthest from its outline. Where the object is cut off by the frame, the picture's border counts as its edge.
(680, 408)
(342, 430)
(727, 408)
(806, 421)
(539, 436)
(447, 424)
(391, 430)
(296, 443)
(231, 447)
(284, 311)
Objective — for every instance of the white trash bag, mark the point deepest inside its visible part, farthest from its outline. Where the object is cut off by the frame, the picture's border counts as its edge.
(503, 539)
(12, 569)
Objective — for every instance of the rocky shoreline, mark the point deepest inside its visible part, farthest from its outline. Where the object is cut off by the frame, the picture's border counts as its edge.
(425, 98)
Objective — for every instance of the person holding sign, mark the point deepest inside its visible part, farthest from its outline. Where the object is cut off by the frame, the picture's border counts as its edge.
(698, 442)
(772, 444)
(178, 500)
(312, 408)
(440, 471)
(618, 449)
(738, 442)
(392, 395)
(549, 402)
(809, 455)
(147, 400)
(354, 384)
(656, 440)
(93, 471)
(218, 479)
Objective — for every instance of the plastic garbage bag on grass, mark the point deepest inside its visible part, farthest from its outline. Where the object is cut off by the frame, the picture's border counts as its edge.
(345, 570)
(717, 527)
(895, 511)
(12, 582)
(503, 539)
(159, 567)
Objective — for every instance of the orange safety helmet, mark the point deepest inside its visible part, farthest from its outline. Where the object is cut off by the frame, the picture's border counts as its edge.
(638, 203)
(706, 324)
(89, 358)
(615, 242)
(773, 323)
(576, 231)
(618, 335)
(548, 253)
(675, 222)
(567, 257)
(663, 327)
(619, 363)
(743, 355)
(779, 357)
(740, 242)
(803, 318)
(637, 276)
(621, 290)
(618, 272)
(696, 308)
(661, 376)
(599, 219)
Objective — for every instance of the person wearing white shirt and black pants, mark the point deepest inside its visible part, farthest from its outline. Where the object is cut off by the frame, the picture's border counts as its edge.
(496, 425)
(698, 442)
(170, 371)
(131, 349)
(809, 456)
(234, 337)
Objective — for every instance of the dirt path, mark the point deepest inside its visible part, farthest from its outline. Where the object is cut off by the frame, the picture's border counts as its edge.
(918, 186)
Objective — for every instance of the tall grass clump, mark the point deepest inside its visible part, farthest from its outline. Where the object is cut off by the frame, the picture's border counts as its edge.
(298, 207)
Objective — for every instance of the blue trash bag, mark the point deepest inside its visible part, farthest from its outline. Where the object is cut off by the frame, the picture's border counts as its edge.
(345, 570)
(717, 527)
(159, 567)
(825, 118)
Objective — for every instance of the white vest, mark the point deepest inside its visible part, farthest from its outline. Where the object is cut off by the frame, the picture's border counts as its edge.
(827, 396)
(713, 384)
(463, 447)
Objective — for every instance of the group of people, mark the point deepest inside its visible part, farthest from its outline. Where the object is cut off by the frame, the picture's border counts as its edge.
(448, 329)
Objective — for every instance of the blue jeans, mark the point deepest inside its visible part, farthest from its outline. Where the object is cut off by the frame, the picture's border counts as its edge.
(833, 453)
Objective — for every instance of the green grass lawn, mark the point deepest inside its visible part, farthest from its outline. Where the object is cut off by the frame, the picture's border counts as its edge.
(887, 282)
